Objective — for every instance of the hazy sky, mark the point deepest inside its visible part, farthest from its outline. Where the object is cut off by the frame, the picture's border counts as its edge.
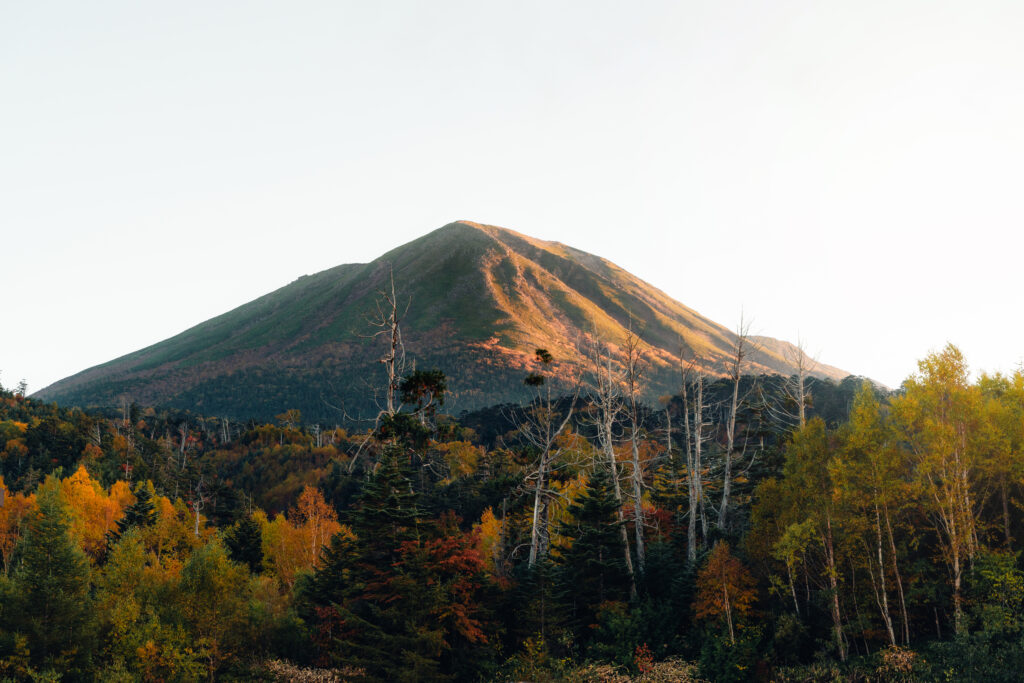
(849, 171)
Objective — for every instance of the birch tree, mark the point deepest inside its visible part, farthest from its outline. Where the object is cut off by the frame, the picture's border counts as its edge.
(869, 476)
(811, 514)
(939, 419)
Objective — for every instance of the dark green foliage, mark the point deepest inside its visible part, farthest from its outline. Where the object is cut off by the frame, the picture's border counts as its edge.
(419, 593)
(400, 600)
(424, 389)
(244, 542)
(592, 572)
(51, 590)
(721, 660)
(385, 629)
(530, 610)
(994, 649)
(139, 514)
(405, 429)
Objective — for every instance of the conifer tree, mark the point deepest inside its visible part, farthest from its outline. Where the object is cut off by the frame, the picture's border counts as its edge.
(377, 604)
(140, 514)
(244, 543)
(591, 572)
(51, 583)
(400, 597)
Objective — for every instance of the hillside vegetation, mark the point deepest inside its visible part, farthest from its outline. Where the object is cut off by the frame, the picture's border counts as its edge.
(475, 302)
(803, 531)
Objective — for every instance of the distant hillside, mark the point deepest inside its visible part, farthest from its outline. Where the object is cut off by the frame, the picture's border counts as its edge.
(480, 299)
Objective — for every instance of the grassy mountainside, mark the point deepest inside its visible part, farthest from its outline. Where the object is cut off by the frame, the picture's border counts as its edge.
(480, 300)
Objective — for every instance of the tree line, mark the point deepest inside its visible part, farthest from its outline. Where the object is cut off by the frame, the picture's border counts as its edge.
(743, 528)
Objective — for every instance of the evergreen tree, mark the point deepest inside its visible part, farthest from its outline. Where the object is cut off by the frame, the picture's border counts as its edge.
(591, 572)
(51, 585)
(140, 514)
(381, 609)
(244, 543)
(401, 597)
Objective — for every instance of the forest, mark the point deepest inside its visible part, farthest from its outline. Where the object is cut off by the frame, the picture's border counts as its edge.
(744, 528)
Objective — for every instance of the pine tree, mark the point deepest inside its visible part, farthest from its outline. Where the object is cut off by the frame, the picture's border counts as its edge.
(399, 598)
(385, 631)
(52, 584)
(140, 514)
(244, 543)
(591, 572)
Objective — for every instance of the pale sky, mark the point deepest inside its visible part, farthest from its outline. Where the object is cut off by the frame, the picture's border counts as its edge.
(852, 172)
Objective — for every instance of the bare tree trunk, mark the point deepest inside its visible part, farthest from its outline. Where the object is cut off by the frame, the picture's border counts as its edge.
(698, 465)
(730, 435)
(1006, 514)
(796, 386)
(623, 533)
(540, 426)
(728, 613)
(691, 489)
(740, 351)
(694, 440)
(830, 559)
(638, 516)
(391, 360)
(899, 580)
(183, 435)
(538, 540)
(609, 404)
(884, 604)
(792, 588)
(197, 504)
(634, 370)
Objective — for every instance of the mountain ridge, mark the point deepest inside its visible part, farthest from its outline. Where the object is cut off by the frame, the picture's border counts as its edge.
(478, 300)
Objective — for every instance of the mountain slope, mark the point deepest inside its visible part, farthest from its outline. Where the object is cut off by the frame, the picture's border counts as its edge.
(479, 300)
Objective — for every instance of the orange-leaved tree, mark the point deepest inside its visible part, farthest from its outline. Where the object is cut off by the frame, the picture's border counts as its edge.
(725, 589)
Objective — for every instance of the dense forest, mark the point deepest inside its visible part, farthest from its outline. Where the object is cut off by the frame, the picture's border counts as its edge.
(745, 528)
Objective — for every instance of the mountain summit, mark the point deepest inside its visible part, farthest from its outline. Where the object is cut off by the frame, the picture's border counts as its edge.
(475, 300)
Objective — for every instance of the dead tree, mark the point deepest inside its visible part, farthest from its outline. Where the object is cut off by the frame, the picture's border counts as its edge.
(606, 400)
(197, 503)
(387, 319)
(387, 323)
(225, 430)
(796, 394)
(692, 386)
(742, 347)
(540, 424)
(634, 369)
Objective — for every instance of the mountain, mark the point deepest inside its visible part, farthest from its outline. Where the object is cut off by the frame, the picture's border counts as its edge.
(477, 300)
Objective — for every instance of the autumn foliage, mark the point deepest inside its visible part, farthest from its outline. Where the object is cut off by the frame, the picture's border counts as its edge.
(878, 539)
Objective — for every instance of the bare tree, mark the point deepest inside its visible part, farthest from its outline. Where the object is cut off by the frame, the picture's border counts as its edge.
(606, 399)
(185, 443)
(197, 503)
(387, 319)
(742, 347)
(796, 394)
(692, 386)
(540, 424)
(387, 323)
(634, 369)
(225, 430)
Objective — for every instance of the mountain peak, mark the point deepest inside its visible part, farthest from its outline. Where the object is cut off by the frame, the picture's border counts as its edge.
(477, 301)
